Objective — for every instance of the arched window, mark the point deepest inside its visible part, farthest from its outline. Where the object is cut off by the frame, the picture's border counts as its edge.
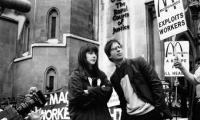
(53, 23)
(26, 36)
(51, 80)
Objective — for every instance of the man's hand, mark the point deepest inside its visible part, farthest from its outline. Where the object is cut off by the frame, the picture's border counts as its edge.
(35, 115)
(177, 63)
(176, 83)
(86, 92)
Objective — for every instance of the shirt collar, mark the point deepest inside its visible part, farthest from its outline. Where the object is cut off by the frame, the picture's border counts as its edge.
(118, 65)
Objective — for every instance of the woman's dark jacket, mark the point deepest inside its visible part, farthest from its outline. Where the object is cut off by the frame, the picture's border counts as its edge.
(92, 106)
(144, 81)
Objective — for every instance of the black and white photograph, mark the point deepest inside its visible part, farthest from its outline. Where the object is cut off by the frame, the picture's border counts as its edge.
(99, 59)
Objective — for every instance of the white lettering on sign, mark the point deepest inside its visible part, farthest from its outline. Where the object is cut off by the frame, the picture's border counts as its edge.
(115, 113)
(54, 99)
(57, 108)
(56, 114)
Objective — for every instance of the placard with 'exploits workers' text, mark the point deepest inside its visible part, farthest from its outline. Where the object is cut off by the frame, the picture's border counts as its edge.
(170, 17)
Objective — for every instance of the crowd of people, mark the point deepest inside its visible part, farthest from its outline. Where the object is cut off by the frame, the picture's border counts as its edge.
(12, 114)
(135, 81)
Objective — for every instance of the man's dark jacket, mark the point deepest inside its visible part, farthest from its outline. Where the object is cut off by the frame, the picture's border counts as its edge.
(144, 81)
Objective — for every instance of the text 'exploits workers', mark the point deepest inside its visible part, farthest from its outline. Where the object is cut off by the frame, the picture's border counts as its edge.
(170, 17)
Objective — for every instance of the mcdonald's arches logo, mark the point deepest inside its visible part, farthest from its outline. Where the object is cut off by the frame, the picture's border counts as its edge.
(170, 17)
(172, 49)
(167, 4)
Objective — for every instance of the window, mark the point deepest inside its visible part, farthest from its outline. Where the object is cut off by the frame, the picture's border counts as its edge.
(23, 43)
(26, 36)
(53, 23)
(51, 82)
(94, 18)
(53, 27)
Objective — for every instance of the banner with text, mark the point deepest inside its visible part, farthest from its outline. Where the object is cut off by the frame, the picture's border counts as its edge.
(170, 17)
(57, 107)
(172, 49)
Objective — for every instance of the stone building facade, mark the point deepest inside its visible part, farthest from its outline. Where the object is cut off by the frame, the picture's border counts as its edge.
(45, 48)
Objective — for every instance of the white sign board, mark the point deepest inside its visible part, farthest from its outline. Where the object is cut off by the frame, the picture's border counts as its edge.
(170, 17)
(173, 48)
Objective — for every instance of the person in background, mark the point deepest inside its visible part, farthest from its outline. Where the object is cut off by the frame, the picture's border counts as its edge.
(31, 91)
(28, 97)
(88, 88)
(33, 115)
(137, 84)
(2, 118)
(194, 79)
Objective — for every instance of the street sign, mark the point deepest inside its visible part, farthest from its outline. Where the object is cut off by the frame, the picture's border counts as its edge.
(170, 17)
(173, 49)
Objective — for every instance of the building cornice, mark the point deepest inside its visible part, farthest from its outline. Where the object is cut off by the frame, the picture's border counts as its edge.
(63, 44)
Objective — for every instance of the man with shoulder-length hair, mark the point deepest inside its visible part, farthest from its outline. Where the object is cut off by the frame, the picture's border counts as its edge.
(137, 85)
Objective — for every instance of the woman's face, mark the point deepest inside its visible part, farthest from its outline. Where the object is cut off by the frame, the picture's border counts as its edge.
(91, 57)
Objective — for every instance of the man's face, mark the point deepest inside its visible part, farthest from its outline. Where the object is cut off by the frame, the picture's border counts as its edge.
(116, 52)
